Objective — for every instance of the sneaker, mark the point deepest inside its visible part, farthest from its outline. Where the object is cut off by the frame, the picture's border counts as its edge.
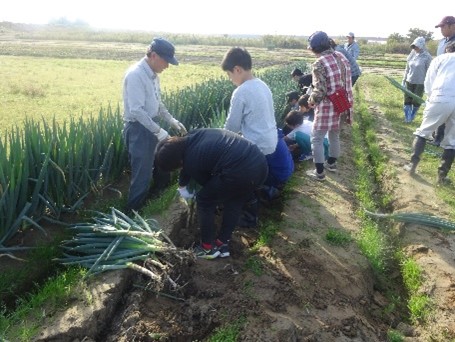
(304, 157)
(411, 168)
(331, 167)
(224, 251)
(223, 248)
(203, 253)
(315, 175)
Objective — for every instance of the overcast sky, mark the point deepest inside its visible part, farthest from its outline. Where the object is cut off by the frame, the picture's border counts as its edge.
(282, 17)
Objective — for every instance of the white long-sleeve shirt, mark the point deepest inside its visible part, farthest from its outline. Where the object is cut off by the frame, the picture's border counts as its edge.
(440, 78)
(142, 97)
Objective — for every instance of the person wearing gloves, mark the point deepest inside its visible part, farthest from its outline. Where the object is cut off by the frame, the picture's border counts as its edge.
(142, 106)
(417, 64)
(228, 168)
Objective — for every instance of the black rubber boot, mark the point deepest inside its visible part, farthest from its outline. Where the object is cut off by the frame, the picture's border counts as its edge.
(418, 146)
(446, 164)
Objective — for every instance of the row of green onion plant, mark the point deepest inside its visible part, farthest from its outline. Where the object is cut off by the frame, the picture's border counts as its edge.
(49, 168)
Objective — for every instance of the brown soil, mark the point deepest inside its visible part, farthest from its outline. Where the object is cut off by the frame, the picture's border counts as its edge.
(298, 287)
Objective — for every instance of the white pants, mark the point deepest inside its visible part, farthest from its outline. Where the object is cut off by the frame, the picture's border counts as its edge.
(435, 114)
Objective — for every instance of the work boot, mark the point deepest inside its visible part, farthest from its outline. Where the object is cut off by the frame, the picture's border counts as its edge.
(411, 168)
(446, 164)
(418, 146)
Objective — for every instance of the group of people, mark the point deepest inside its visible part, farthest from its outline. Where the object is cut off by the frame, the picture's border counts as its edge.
(232, 163)
(435, 77)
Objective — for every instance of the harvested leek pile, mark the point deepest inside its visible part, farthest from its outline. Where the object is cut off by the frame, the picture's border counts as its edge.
(116, 241)
(417, 218)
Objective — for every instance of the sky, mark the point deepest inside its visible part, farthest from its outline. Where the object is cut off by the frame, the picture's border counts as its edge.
(283, 17)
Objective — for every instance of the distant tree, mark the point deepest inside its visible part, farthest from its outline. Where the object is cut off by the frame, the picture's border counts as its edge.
(65, 22)
(396, 38)
(415, 32)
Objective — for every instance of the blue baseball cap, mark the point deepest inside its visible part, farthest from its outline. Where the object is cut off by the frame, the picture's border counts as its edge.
(317, 39)
(164, 49)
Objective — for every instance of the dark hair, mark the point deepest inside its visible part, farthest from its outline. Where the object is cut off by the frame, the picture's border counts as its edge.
(236, 56)
(303, 101)
(296, 72)
(294, 118)
(306, 80)
(322, 47)
(292, 95)
(169, 153)
(333, 44)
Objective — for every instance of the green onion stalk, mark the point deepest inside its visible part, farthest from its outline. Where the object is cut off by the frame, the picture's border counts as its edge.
(115, 241)
(417, 218)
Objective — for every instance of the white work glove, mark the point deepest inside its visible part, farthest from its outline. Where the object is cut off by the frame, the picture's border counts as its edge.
(186, 195)
(176, 124)
(162, 134)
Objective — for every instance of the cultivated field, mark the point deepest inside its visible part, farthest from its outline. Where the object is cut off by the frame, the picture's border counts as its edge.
(316, 269)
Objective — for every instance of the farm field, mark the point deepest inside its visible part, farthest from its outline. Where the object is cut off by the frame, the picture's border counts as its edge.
(301, 284)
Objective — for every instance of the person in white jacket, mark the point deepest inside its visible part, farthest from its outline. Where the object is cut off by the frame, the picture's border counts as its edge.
(440, 108)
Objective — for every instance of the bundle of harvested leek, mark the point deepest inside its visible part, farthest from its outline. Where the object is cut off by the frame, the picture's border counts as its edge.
(418, 99)
(418, 218)
(116, 242)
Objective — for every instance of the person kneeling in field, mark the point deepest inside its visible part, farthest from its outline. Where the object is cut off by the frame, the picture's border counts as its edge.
(227, 166)
(299, 138)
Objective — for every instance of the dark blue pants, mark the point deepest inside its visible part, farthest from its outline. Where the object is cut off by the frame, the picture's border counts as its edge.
(140, 144)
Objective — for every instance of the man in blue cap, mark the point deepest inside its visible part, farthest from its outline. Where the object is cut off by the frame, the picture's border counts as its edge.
(142, 105)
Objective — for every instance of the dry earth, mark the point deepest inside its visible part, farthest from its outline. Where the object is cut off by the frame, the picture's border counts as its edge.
(297, 288)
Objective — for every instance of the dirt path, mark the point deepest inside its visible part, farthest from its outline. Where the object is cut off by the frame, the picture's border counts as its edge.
(298, 287)
(433, 249)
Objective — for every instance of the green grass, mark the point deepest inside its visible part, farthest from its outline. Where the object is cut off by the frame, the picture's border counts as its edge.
(47, 87)
(229, 332)
(32, 310)
(338, 237)
(394, 336)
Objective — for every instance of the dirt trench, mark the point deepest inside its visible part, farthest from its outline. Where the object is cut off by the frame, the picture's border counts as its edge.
(297, 287)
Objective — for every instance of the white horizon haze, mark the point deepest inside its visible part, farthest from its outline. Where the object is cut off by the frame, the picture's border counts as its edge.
(286, 17)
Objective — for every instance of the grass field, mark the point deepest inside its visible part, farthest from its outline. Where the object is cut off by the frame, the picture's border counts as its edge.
(36, 87)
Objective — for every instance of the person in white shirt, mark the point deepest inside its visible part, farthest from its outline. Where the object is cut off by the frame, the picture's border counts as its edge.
(440, 108)
(142, 105)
